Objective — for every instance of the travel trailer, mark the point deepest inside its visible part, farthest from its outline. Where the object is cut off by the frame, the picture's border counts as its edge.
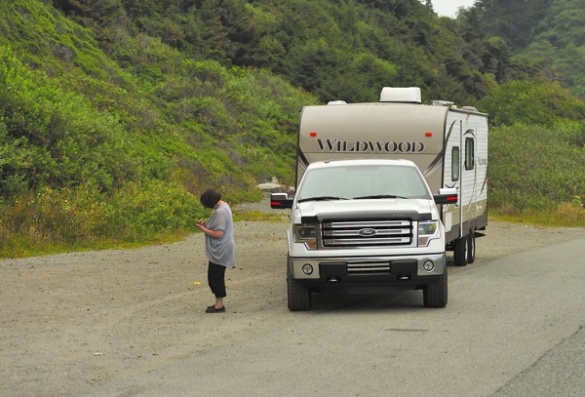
(448, 144)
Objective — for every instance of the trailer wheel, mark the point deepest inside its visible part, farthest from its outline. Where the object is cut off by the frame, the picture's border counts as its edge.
(471, 247)
(460, 254)
(299, 295)
(436, 294)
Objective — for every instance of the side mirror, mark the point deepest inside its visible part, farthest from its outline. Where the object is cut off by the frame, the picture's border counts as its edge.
(446, 196)
(280, 201)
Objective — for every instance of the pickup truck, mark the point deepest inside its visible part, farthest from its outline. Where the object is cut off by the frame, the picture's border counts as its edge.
(365, 225)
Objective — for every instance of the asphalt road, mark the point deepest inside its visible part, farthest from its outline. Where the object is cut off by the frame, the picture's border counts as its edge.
(513, 327)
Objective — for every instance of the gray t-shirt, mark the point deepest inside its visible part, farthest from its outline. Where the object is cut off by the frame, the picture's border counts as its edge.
(221, 251)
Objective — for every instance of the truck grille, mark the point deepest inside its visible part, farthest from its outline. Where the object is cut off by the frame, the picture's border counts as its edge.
(368, 268)
(366, 233)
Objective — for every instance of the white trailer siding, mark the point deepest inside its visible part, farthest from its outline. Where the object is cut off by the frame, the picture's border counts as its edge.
(465, 168)
(373, 130)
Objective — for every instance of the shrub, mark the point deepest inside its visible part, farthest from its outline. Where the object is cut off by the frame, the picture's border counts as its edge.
(536, 167)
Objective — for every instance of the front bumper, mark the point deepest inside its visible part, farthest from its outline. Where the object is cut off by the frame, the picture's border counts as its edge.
(406, 271)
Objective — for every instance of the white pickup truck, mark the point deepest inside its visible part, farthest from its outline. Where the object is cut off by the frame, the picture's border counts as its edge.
(365, 225)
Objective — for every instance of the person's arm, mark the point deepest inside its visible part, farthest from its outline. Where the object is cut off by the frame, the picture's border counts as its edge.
(202, 225)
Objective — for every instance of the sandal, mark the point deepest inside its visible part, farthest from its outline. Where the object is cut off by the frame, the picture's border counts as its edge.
(213, 309)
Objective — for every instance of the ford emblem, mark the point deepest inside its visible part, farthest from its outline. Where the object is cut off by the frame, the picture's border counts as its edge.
(366, 232)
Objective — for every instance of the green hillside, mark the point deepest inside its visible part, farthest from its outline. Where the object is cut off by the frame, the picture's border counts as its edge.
(115, 114)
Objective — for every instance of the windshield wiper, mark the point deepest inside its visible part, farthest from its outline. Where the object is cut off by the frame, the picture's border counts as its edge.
(321, 198)
(380, 196)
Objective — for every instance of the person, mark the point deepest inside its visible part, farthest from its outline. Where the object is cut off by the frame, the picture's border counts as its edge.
(219, 245)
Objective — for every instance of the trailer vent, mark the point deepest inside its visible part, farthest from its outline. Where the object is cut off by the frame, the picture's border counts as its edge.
(470, 108)
(400, 94)
(366, 233)
(438, 102)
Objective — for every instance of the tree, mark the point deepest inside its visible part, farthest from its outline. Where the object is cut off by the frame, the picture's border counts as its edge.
(512, 20)
(429, 5)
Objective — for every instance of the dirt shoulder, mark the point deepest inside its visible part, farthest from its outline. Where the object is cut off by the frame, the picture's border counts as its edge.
(71, 322)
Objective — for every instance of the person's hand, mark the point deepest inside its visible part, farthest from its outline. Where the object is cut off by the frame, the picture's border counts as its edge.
(201, 225)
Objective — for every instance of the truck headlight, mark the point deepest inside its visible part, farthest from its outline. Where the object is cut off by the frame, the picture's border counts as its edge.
(306, 234)
(427, 231)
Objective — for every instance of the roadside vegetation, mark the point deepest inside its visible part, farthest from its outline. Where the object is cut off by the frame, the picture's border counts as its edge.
(115, 115)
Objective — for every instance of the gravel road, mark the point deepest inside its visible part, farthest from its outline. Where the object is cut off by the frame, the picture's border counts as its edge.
(75, 321)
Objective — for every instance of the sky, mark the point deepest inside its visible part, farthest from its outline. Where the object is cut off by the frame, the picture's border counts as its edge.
(449, 8)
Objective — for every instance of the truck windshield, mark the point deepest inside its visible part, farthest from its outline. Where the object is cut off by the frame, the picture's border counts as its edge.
(362, 182)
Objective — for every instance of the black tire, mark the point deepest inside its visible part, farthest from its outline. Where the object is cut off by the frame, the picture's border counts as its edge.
(436, 294)
(299, 295)
(460, 251)
(471, 247)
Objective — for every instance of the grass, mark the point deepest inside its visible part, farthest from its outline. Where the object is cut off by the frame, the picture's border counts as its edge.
(22, 248)
(565, 215)
(257, 216)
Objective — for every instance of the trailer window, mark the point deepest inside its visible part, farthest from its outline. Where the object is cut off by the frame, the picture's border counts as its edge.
(469, 153)
(455, 163)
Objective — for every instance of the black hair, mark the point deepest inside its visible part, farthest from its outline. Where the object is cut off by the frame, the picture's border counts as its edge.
(209, 198)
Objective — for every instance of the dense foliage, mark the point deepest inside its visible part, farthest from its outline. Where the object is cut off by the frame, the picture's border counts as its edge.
(114, 114)
(546, 37)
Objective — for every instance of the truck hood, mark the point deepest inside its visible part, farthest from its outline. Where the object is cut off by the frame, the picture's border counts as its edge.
(416, 209)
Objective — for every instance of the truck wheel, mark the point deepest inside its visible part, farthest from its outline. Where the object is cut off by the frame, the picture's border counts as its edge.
(436, 294)
(460, 252)
(299, 295)
(471, 247)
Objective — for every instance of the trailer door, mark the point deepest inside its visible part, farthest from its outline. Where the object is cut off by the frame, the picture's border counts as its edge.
(453, 174)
